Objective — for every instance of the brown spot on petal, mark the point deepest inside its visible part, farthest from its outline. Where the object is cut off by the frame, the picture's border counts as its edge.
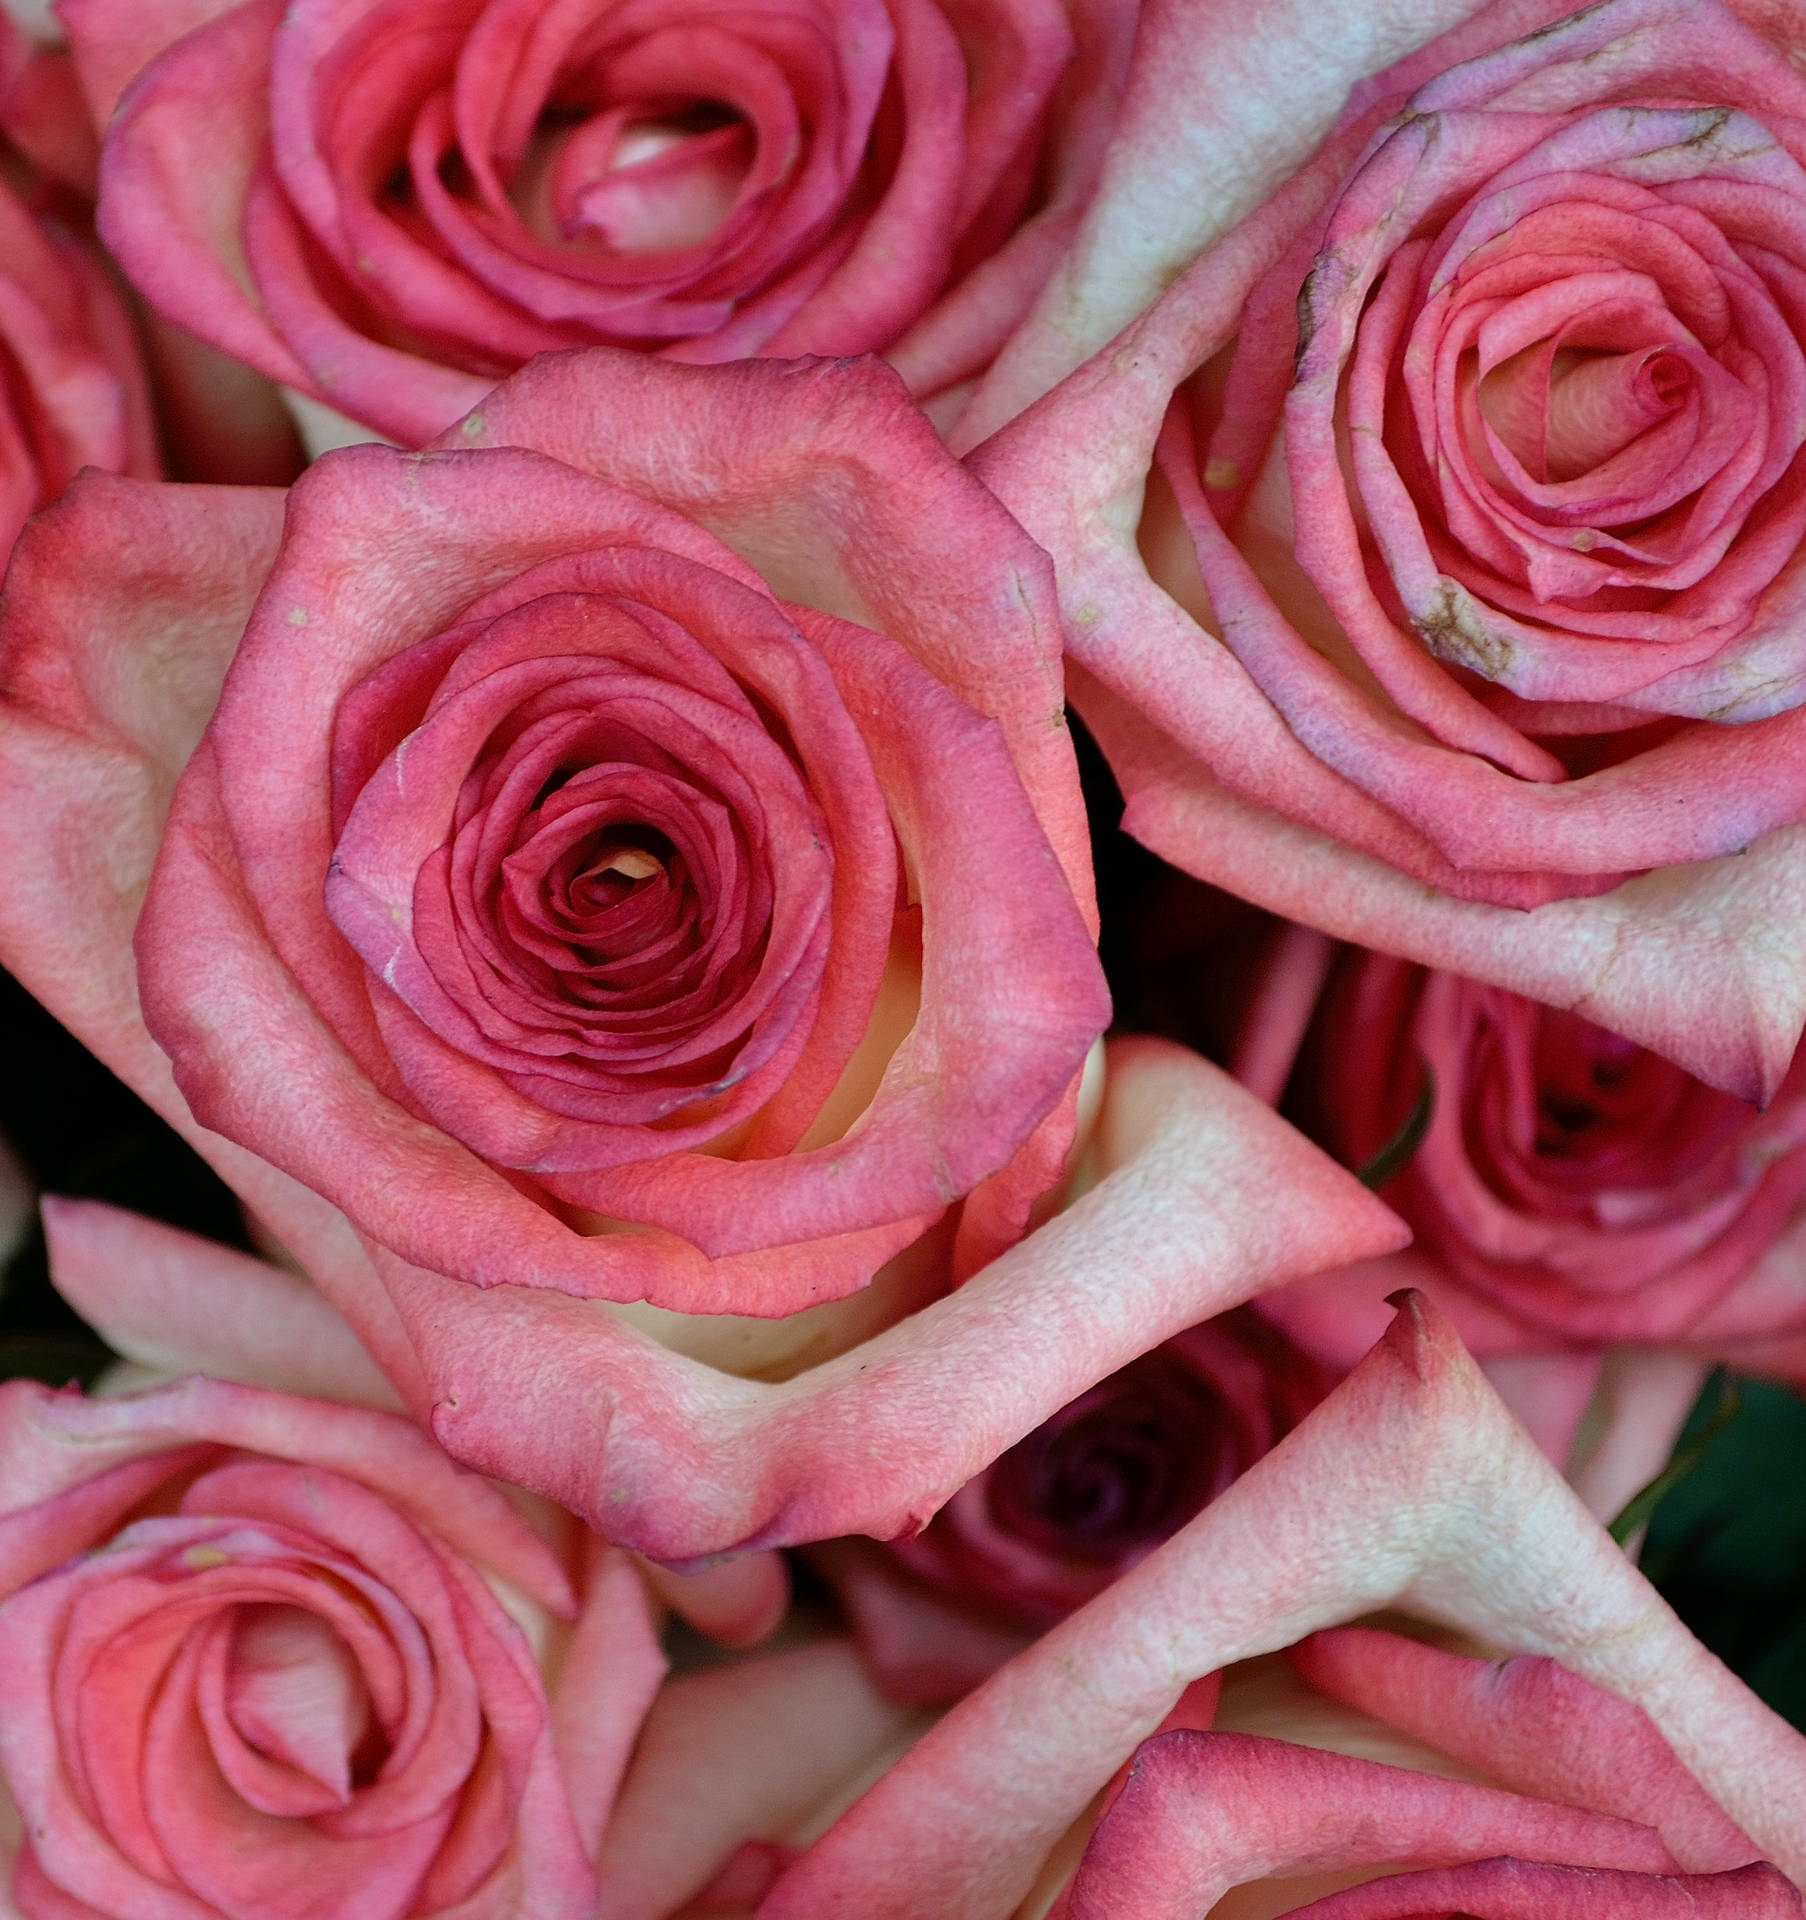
(1454, 629)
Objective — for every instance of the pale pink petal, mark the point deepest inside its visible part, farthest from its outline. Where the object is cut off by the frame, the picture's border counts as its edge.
(737, 1753)
(608, 1678)
(1645, 1396)
(738, 1602)
(1533, 1726)
(1148, 1251)
(1409, 1485)
(1222, 104)
(178, 1304)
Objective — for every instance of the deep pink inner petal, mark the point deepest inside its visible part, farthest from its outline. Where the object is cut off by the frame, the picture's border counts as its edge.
(594, 863)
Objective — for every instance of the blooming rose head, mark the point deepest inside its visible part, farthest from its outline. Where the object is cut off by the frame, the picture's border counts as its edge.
(389, 206)
(1620, 1746)
(1474, 503)
(1065, 1511)
(1570, 1188)
(1122, 1468)
(303, 1575)
(589, 878)
(595, 956)
(261, 1652)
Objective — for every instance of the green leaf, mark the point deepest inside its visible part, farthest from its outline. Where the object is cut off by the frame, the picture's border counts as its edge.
(1687, 1455)
(1396, 1154)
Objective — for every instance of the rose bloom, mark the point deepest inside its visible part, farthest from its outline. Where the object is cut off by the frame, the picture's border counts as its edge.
(302, 1574)
(388, 207)
(640, 957)
(1613, 1768)
(1431, 551)
(583, 877)
(1571, 1192)
(261, 1650)
(1071, 1507)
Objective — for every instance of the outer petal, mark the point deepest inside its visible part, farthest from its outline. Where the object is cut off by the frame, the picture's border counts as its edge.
(1693, 962)
(1646, 1394)
(42, 109)
(179, 1304)
(1222, 104)
(736, 1754)
(607, 1681)
(1410, 1484)
(115, 40)
(923, 1648)
(104, 700)
(51, 1443)
(1204, 1812)
(176, 172)
(1533, 1726)
(677, 1460)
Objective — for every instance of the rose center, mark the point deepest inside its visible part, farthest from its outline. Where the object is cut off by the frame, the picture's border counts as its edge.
(1117, 1479)
(296, 1696)
(614, 871)
(648, 178)
(1564, 411)
(611, 895)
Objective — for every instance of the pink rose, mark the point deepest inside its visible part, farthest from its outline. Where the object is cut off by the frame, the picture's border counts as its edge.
(1488, 604)
(460, 1255)
(1571, 1190)
(701, 1785)
(1410, 1487)
(254, 1660)
(388, 207)
(571, 865)
(1087, 1495)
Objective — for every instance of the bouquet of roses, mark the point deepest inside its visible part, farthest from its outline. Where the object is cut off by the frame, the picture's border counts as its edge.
(958, 848)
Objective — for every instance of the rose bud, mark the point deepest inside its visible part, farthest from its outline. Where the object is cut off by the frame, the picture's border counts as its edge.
(1431, 549)
(1409, 1487)
(628, 937)
(1087, 1495)
(389, 207)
